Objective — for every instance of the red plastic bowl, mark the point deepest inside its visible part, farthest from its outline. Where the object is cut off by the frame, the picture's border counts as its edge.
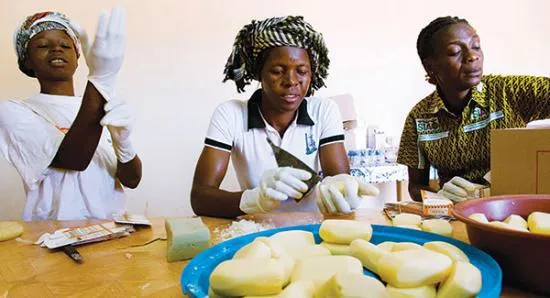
(524, 257)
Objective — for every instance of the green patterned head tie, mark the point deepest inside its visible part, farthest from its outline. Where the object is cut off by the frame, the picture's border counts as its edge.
(33, 25)
(258, 36)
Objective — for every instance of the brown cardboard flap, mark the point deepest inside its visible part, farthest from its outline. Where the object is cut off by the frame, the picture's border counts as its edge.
(520, 161)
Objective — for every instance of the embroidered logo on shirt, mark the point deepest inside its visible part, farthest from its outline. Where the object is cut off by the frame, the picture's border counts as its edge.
(311, 146)
(427, 126)
(483, 123)
(478, 114)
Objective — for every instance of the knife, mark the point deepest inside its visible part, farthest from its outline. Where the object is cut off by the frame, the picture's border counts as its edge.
(286, 159)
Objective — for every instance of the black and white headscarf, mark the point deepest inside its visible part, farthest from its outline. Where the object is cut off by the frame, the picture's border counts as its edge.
(36, 23)
(258, 36)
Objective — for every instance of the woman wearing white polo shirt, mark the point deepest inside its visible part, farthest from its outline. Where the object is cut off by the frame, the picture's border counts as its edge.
(290, 60)
(54, 139)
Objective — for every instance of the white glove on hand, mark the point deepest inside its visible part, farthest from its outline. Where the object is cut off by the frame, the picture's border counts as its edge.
(342, 193)
(542, 123)
(459, 189)
(120, 119)
(105, 56)
(276, 185)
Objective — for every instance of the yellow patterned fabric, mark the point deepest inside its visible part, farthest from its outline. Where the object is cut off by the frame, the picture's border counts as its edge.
(459, 145)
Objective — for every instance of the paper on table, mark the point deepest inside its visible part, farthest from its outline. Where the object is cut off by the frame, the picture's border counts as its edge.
(81, 235)
(132, 219)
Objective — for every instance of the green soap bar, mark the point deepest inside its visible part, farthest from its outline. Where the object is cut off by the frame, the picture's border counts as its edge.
(186, 238)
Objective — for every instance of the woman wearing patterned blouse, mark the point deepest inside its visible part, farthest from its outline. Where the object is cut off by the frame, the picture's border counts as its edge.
(450, 128)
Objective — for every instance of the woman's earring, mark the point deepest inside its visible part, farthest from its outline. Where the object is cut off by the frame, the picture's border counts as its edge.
(430, 78)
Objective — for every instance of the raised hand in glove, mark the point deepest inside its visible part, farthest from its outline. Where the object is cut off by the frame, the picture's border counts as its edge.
(459, 189)
(276, 185)
(105, 56)
(119, 119)
(342, 194)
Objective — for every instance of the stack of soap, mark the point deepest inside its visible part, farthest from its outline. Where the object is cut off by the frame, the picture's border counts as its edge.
(186, 238)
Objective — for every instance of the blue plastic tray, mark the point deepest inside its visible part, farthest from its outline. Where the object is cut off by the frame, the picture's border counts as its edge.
(195, 277)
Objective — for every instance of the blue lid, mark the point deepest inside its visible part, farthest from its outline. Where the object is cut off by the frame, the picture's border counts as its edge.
(195, 276)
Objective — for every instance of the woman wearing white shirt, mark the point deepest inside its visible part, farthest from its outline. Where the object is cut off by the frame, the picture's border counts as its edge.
(55, 140)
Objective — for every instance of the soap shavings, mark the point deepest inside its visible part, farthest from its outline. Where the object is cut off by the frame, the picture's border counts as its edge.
(24, 241)
(241, 227)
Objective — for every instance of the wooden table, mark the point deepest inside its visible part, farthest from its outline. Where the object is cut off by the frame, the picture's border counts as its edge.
(126, 267)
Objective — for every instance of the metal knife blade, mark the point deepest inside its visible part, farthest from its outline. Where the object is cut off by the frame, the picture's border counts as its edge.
(286, 159)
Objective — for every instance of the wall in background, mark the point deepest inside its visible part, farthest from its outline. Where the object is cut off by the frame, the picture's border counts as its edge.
(176, 51)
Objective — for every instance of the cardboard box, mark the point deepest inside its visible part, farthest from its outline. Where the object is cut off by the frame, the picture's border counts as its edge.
(520, 161)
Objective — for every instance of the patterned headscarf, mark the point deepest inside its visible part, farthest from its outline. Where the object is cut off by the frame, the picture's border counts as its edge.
(36, 23)
(258, 36)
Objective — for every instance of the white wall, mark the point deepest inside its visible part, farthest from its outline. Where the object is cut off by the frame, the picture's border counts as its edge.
(176, 51)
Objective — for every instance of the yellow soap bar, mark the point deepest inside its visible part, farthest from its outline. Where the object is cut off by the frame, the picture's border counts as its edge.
(407, 219)
(503, 225)
(308, 251)
(437, 226)
(386, 245)
(516, 221)
(367, 253)
(453, 252)
(298, 244)
(186, 237)
(248, 277)
(320, 269)
(337, 249)
(427, 291)
(479, 217)
(256, 249)
(539, 223)
(414, 268)
(342, 231)
(400, 246)
(299, 289)
(10, 230)
(351, 285)
(463, 282)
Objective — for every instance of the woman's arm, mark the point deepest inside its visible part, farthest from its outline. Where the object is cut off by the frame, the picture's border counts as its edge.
(528, 95)
(207, 199)
(334, 159)
(80, 142)
(419, 179)
(129, 174)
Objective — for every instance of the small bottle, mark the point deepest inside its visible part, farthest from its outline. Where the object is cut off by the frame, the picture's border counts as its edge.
(353, 157)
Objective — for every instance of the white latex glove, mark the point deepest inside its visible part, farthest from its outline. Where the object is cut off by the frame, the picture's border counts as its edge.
(543, 123)
(342, 194)
(276, 185)
(119, 119)
(105, 56)
(459, 189)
